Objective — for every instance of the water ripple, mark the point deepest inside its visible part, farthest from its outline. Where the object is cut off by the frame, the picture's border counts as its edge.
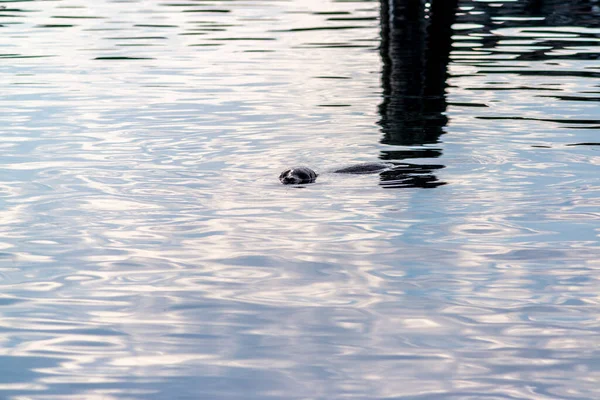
(148, 251)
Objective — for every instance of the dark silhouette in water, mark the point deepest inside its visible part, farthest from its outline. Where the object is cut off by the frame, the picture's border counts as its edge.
(392, 175)
(298, 175)
(415, 50)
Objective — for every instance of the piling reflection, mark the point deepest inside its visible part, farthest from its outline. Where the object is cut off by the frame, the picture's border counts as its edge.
(540, 43)
(411, 175)
(415, 50)
(535, 13)
(483, 19)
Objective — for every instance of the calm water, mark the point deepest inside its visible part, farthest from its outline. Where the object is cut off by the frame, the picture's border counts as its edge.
(147, 250)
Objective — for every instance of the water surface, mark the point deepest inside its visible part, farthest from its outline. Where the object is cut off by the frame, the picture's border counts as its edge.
(147, 250)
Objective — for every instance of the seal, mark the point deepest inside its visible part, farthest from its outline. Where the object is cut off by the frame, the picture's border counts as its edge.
(298, 175)
(301, 175)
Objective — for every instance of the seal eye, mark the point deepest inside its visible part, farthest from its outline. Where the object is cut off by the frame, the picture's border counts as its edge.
(303, 176)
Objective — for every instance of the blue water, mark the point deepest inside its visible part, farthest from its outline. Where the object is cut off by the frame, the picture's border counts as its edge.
(148, 251)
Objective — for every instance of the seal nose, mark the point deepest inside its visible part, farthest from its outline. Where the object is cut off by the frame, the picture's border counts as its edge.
(288, 180)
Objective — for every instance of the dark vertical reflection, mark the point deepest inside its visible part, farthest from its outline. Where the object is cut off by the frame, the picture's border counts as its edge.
(415, 49)
(487, 16)
(416, 39)
(561, 12)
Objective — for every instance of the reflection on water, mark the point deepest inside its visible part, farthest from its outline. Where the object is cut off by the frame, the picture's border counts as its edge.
(415, 50)
(416, 44)
(411, 176)
(148, 251)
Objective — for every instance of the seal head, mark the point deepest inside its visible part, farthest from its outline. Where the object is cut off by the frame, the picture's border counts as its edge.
(297, 175)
